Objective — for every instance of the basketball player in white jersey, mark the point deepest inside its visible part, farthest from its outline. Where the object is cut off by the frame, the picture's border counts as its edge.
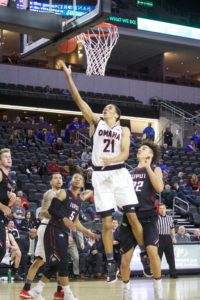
(56, 183)
(112, 182)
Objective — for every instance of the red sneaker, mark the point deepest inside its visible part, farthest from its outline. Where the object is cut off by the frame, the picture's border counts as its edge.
(24, 294)
(59, 295)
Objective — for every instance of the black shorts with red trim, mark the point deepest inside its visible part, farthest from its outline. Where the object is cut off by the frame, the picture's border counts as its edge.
(150, 233)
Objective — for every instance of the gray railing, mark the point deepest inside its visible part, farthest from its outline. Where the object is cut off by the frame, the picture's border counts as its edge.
(186, 116)
(176, 202)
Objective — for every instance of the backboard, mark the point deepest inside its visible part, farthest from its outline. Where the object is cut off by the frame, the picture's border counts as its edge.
(65, 20)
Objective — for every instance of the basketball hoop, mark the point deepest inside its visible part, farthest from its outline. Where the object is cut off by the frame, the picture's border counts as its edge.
(98, 43)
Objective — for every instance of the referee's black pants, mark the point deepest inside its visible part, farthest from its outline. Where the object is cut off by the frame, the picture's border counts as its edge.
(166, 246)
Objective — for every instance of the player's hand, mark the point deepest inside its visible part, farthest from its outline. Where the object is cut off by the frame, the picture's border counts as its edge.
(105, 161)
(69, 224)
(6, 210)
(146, 163)
(92, 235)
(174, 241)
(61, 64)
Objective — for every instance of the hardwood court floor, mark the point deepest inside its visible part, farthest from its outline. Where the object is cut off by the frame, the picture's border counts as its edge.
(184, 288)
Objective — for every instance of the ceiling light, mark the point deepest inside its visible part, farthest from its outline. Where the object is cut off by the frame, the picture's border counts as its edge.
(182, 63)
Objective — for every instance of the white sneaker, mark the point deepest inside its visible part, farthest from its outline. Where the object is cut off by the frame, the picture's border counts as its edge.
(126, 291)
(158, 290)
(69, 296)
(36, 294)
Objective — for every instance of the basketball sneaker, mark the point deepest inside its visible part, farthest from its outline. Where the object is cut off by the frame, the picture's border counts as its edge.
(126, 291)
(146, 264)
(158, 289)
(59, 295)
(112, 272)
(36, 294)
(25, 294)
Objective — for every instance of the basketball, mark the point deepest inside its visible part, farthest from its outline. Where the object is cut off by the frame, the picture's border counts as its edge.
(68, 46)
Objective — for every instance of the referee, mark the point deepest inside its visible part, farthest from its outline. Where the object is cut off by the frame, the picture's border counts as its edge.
(166, 239)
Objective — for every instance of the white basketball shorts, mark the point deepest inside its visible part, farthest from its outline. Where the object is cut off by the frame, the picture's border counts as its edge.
(113, 189)
(39, 250)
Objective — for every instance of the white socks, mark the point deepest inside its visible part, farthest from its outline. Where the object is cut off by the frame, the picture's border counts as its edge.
(66, 289)
(126, 285)
(40, 286)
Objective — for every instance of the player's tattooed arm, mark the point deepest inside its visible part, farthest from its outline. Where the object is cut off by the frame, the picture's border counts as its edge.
(83, 106)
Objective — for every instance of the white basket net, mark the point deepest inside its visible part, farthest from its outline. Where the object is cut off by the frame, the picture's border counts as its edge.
(98, 43)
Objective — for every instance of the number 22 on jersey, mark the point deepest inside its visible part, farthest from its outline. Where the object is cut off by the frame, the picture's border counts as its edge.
(138, 185)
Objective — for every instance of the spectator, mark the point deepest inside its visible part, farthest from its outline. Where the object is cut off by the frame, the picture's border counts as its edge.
(73, 127)
(179, 179)
(13, 230)
(88, 179)
(30, 139)
(149, 133)
(116, 245)
(24, 201)
(28, 223)
(95, 259)
(67, 134)
(84, 124)
(182, 236)
(76, 240)
(69, 167)
(184, 194)
(167, 137)
(18, 124)
(34, 166)
(191, 147)
(58, 146)
(42, 134)
(42, 123)
(196, 137)
(163, 167)
(86, 155)
(196, 235)
(15, 138)
(32, 243)
(14, 250)
(52, 136)
(194, 182)
(5, 122)
(53, 167)
(18, 212)
(168, 196)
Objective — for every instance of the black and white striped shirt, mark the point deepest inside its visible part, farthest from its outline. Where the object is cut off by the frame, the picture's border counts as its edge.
(165, 224)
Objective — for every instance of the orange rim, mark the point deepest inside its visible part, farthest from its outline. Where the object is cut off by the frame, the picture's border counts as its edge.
(102, 25)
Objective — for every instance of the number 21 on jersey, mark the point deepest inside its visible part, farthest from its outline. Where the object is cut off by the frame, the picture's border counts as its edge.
(109, 145)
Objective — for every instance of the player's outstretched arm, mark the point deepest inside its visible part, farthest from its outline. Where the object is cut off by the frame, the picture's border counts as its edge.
(82, 105)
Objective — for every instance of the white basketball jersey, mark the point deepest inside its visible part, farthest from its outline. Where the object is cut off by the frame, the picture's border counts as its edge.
(106, 142)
